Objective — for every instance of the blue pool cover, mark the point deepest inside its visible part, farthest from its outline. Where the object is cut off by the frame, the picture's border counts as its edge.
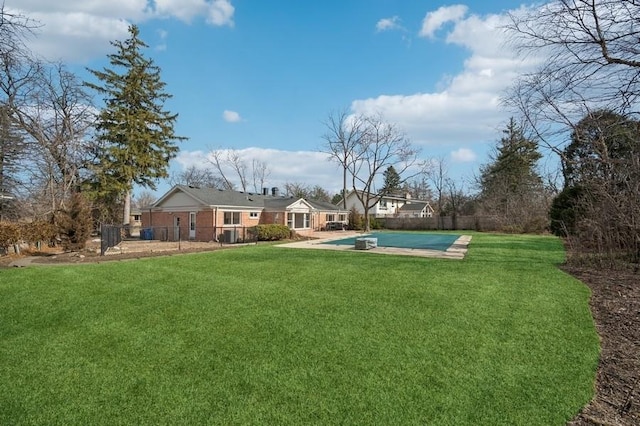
(410, 240)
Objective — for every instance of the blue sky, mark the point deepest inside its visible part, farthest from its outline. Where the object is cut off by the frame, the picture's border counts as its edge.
(261, 77)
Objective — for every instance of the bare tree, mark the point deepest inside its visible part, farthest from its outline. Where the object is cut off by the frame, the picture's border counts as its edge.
(437, 174)
(17, 70)
(229, 163)
(58, 118)
(296, 190)
(14, 29)
(144, 199)
(379, 146)
(218, 160)
(318, 193)
(419, 187)
(260, 172)
(197, 177)
(344, 134)
(239, 166)
(591, 63)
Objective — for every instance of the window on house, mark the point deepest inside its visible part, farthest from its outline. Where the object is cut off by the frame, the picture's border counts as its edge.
(342, 217)
(232, 218)
(136, 217)
(383, 204)
(290, 217)
(254, 215)
(331, 217)
(307, 220)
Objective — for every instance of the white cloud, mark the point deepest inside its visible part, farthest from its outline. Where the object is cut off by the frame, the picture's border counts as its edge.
(307, 167)
(433, 21)
(231, 116)
(79, 31)
(466, 107)
(221, 13)
(387, 24)
(463, 155)
(216, 12)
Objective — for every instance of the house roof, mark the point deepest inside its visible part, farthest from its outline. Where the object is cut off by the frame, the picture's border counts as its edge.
(217, 197)
(227, 198)
(400, 197)
(414, 206)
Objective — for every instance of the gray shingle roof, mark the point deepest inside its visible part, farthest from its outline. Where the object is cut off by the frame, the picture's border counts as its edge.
(220, 197)
(415, 206)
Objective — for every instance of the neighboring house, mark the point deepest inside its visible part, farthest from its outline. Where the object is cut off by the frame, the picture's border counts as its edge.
(416, 208)
(135, 221)
(391, 205)
(206, 214)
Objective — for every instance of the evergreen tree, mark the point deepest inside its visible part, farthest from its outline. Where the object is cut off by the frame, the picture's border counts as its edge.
(510, 186)
(392, 181)
(135, 129)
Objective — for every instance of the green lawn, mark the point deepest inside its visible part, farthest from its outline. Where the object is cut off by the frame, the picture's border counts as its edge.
(269, 335)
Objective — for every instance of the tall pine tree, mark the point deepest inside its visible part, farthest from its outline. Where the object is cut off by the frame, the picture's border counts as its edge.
(510, 186)
(392, 181)
(136, 131)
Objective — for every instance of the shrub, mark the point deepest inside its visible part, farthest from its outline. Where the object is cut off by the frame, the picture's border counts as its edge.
(374, 223)
(272, 232)
(566, 211)
(356, 221)
(38, 231)
(512, 229)
(75, 224)
(10, 234)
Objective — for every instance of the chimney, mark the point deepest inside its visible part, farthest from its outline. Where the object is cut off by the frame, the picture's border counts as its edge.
(275, 191)
(407, 195)
(265, 191)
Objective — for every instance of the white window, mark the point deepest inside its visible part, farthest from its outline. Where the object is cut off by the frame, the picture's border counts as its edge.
(298, 220)
(254, 215)
(232, 218)
(331, 217)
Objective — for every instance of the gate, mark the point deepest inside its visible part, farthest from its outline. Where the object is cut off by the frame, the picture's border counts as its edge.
(110, 236)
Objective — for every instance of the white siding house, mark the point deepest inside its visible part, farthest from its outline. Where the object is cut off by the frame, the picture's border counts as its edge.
(391, 205)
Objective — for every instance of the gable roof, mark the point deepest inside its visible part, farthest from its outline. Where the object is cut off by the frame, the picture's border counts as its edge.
(398, 197)
(415, 206)
(239, 199)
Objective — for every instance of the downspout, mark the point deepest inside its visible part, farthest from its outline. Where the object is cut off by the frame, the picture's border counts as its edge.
(215, 224)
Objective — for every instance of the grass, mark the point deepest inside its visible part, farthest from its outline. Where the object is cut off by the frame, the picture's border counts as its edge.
(266, 335)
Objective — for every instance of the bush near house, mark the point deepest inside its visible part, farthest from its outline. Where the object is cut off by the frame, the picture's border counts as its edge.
(37, 232)
(272, 232)
(32, 233)
(9, 235)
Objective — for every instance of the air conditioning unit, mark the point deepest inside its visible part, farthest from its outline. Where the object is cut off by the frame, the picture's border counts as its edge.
(231, 236)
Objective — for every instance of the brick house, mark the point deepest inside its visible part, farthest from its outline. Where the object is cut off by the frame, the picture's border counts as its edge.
(210, 214)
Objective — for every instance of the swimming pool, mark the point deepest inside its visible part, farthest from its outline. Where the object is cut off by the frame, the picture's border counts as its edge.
(410, 240)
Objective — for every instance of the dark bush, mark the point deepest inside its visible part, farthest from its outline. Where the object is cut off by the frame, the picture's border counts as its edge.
(10, 234)
(356, 220)
(566, 211)
(37, 232)
(272, 232)
(75, 224)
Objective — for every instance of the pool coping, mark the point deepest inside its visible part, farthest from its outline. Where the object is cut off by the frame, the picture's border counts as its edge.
(457, 250)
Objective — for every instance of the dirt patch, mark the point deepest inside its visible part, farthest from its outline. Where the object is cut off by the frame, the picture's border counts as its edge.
(126, 250)
(615, 306)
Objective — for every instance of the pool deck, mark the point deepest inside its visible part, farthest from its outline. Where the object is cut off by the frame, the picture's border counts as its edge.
(322, 241)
